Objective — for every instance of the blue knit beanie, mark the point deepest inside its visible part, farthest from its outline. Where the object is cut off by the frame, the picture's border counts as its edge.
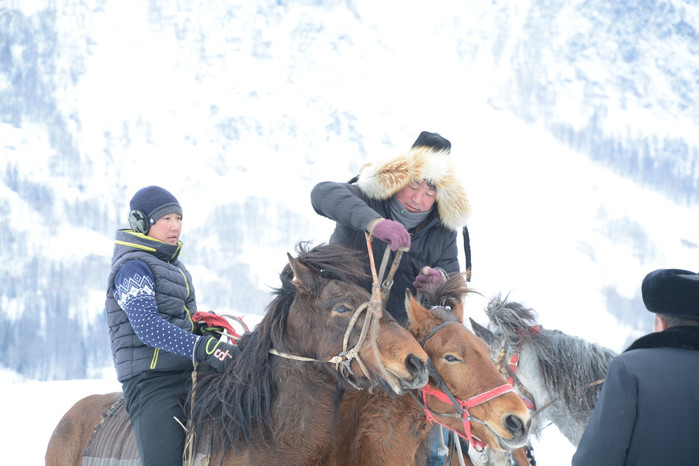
(155, 203)
(672, 292)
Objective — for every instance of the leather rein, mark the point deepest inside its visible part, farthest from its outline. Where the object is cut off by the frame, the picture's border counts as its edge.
(373, 309)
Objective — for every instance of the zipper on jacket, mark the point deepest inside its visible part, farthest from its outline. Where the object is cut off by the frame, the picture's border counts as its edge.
(186, 283)
(189, 314)
(154, 361)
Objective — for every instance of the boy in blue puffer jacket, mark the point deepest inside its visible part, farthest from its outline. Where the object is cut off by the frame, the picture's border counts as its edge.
(150, 302)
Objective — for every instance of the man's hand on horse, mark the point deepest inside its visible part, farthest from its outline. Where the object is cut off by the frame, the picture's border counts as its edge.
(214, 352)
(392, 232)
(428, 279)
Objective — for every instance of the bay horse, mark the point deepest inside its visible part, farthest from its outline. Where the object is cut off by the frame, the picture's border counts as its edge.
(381, 429)
(275, 403)
(559, 375)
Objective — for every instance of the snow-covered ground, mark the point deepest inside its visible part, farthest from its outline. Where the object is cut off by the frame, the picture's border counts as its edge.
(32, 410)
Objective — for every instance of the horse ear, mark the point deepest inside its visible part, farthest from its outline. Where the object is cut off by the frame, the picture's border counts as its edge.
(482, 332)
(302, 274)
(416, 313)
(458, 311)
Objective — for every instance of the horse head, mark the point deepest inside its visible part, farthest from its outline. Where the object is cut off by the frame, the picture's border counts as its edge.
(466, 393)
(559, 375)
(334, 319)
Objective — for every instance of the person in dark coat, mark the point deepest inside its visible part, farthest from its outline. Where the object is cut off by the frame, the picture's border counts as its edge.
(649, 405)
(412, 202)
(150, 303)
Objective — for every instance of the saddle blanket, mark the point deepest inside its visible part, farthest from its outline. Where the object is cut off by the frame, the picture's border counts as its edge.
(113, 443)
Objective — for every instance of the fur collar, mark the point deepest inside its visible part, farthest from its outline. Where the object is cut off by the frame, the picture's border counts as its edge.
(383, 180)
(684, 337)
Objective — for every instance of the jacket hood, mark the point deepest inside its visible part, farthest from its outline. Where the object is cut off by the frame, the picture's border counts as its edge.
(384, 179)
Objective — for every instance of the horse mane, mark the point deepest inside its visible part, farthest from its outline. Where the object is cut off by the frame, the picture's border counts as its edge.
(447, 295)
(239, 401)
(568, 364)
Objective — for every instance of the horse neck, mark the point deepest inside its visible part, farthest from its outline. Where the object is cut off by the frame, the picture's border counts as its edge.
(303, 392)
(301, 427)
(551, 406)
(368, 422)
(529, 374)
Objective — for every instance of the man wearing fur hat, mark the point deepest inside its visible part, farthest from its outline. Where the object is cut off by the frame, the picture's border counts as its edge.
(648, 408)
(413, 202)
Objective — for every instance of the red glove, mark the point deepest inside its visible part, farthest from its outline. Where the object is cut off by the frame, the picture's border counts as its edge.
(392, 232)
(427, 279)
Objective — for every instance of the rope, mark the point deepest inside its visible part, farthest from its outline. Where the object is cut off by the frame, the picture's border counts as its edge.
(458, 448)
(346, 356)
(589, 385)
(291, 356)
(189, 448)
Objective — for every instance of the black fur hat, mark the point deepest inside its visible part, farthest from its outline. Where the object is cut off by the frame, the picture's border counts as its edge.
(672, 292)
(432, 140)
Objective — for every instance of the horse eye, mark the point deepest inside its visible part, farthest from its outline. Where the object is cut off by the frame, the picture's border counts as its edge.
(451, 358)
(343, 309)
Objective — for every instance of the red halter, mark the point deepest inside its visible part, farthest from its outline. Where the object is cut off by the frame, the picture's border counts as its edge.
(444, 395)
(513, 363)
(462, 408)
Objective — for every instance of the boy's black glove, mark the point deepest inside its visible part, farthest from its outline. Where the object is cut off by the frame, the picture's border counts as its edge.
(216, 353)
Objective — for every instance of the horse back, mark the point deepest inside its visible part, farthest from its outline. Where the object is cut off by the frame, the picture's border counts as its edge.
(74, 431)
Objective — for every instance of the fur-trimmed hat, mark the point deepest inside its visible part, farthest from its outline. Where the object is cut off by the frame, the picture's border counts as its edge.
(155, 203)
(672, 292)
(428, 159)
(432, 140)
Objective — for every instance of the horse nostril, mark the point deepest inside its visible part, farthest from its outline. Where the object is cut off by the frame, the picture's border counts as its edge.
(514, 424)
(415, 365)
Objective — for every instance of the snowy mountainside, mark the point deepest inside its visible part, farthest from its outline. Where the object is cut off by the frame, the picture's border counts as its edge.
(573, 125)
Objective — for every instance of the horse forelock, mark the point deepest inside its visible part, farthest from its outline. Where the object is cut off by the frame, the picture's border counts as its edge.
(443, 314)
(448, 294)
(510, 318)
(333, 261)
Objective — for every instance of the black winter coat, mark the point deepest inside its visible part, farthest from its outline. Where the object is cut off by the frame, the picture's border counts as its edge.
(648, 409)
(432, 244)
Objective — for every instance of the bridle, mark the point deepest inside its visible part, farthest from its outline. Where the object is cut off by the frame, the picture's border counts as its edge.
(509, 370)
(443, 394)
(373, 309)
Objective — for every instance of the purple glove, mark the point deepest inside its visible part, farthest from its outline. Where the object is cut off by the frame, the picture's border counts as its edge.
(427, 279)
(392, 232)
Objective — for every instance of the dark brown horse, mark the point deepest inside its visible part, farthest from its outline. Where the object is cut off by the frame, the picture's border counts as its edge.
(380, 429)
(275, 404)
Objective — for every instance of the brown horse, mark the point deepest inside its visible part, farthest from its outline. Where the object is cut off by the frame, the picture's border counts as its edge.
(274, 404)
(380, 429)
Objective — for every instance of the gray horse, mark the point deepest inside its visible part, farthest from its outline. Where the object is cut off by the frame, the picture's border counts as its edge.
(560, 374)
